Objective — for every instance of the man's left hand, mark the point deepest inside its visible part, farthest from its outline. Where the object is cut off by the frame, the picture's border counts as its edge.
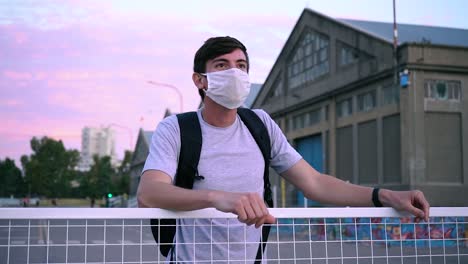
(413, 202)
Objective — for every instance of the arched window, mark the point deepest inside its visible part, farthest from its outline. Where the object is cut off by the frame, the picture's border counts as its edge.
(310, 59)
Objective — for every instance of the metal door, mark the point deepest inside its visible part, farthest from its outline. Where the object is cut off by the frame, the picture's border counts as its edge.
(311, 150)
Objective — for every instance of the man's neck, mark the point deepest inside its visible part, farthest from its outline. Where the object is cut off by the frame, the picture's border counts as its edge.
(217, 115)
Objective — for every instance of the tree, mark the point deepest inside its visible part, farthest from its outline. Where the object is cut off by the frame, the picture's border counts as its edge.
(11, 180)
(97, 181)
(50, 169)
(122, 182)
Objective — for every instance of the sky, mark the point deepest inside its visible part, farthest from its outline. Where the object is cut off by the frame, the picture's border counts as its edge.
(69, 64)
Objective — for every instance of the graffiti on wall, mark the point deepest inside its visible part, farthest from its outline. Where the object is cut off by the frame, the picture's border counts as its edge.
(439, 232)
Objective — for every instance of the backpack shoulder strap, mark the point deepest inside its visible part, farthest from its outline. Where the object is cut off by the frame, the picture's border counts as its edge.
(190, 148)
(191, 141)
(261, 136)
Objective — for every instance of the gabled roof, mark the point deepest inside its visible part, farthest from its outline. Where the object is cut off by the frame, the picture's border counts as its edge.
(381, 31)
(148, 135)
(143, 142)
(412, 33)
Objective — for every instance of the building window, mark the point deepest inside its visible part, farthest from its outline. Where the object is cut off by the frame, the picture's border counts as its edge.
(367, 101)
(390, 95)
(310, 59)
(314, 117)
(442, 90)
(305, 120)
(344, 107)
(289, 124)
(299, 122)
(277, 88)
(348, 56)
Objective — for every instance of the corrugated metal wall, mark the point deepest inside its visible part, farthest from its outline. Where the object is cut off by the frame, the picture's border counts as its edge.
(344, 153)
(391, 137)
(443, 147)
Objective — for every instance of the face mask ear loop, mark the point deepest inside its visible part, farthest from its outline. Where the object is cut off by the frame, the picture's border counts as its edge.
(203, 75)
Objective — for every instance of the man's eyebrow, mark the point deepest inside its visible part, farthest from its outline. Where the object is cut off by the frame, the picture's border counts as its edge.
(226, 60)
(220, 60)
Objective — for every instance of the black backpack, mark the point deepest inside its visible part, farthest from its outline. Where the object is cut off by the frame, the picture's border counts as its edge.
(187, 171)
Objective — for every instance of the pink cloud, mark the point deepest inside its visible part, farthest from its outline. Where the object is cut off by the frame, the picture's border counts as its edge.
(11, 102)
(61, 78)
(40, 75)
(17, 76)
(20, 38)
(92, 74)
(16, 134)
(64, 75)
(16, 129)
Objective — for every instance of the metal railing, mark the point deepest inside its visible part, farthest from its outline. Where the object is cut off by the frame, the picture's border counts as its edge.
(300, 235)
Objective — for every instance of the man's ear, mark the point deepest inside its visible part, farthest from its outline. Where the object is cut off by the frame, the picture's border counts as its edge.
(199, 80)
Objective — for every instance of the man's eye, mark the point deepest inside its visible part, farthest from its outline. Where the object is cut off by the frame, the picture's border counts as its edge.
(221, 65)
(242, 66)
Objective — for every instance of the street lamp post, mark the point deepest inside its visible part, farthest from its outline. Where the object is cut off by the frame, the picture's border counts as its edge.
(181, 99)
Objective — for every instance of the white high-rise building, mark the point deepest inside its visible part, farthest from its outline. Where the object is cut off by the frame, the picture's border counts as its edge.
(96, 141)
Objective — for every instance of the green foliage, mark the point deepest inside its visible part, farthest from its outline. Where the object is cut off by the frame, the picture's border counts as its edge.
(123, 174)
(12, 182)
(96, 183)
(102, 179)
(49, 170)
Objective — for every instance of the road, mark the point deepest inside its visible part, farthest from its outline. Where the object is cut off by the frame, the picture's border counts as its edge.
(130, 241)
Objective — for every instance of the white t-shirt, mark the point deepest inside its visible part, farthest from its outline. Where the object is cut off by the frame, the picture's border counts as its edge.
(230, 160)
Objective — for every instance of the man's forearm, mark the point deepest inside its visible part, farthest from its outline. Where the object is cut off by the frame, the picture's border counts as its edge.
(337, 192)
(325, 188)
(158, 194)
(330, 190)
(156, 191)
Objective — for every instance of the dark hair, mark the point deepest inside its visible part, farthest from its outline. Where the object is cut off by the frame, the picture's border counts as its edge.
(215, 47)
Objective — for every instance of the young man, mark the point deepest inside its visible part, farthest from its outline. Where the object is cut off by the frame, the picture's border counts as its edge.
(232, 166)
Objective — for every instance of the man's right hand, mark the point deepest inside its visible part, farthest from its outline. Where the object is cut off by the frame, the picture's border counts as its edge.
(249, 207)
(155, 190)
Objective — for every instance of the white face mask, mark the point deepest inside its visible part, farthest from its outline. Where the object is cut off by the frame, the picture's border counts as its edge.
(228, 88)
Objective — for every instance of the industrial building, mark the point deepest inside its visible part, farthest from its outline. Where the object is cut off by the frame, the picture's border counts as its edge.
(345, 105)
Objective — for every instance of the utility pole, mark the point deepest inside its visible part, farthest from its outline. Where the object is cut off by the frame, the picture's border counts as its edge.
(395, 46)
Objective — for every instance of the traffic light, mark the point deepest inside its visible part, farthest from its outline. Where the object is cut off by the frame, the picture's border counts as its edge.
(108, 196)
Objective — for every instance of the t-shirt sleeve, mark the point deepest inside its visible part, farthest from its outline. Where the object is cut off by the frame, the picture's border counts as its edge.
(164, 147)
(283, 155)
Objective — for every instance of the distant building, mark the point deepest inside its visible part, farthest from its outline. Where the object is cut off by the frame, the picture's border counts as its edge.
(97, 141)
(332, 91)
(139, 157)
(140, 154)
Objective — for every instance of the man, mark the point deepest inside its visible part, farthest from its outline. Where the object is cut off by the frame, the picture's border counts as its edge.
(232, 167)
